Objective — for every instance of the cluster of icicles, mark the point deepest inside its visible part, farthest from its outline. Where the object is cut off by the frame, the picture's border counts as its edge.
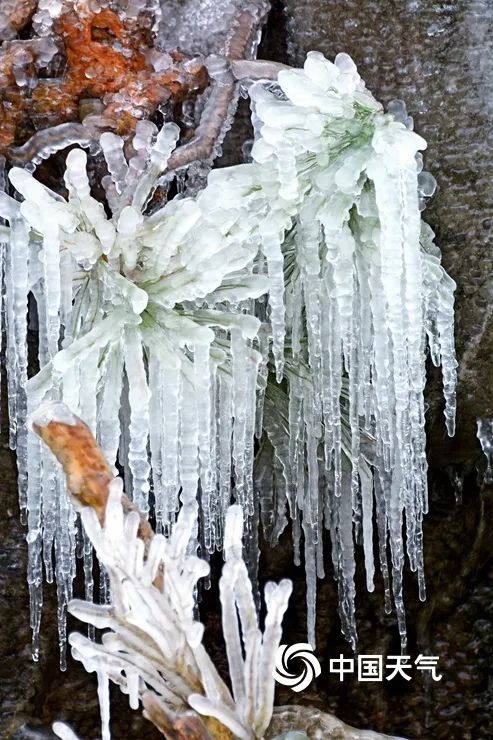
(291, 300)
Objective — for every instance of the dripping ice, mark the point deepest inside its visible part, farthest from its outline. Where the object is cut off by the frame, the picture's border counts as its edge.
(170, 349)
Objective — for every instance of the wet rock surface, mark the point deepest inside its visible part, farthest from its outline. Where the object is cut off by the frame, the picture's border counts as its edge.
(437, 57)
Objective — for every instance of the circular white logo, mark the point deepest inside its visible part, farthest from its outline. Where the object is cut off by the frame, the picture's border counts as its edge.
(303, 652)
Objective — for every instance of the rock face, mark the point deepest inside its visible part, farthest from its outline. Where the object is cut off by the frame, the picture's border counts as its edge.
(438, 58)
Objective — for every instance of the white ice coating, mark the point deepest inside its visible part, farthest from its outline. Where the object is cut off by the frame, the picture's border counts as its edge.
(51, 411)
(141, 305)
(364, 291)
(147, 330)
(153, 641)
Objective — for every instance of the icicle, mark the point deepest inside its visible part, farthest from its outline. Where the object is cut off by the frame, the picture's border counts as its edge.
(245, 367)
(17, 292)
(104, 704)
(271, 246)
(311, 581)
(170, 442)
(156, 422)
(65, 564)
(250, 390)
(485, 436)
(188, 441)
(139, 398)
(225, 433)
(34, 541)
(367, 503)
(202, 378)
(108, 418)
(445, 328)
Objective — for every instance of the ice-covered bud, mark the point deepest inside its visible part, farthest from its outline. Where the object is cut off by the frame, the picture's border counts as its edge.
(304, 93)
(396, 144)
(76, 178)
(52, 411)
(349, 80)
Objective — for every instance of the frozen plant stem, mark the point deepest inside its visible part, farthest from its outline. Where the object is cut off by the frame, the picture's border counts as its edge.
(88, 473)
(153, 647)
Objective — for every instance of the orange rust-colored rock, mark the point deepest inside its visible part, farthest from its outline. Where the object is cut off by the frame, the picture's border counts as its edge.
(95, 64)
(106, 57)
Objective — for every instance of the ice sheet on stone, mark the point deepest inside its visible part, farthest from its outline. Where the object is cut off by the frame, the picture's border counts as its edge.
(203, 28)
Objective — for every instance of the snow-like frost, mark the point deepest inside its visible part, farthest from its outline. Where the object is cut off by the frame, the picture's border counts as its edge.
(153, 641)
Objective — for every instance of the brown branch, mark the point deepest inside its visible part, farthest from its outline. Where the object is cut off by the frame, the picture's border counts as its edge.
(240, 44)
(88, 473)
(174, 726)
(184, 725)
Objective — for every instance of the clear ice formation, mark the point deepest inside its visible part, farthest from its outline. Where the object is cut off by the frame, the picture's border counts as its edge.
(205, 32)
(485, 436)
(155, 330)
(153, 641)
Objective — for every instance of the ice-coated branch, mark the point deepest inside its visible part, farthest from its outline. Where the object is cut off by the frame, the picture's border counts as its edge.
(88, 474)
(256, 69)
(224, 73)
(46, 142)
(221, 101)
(153, 647)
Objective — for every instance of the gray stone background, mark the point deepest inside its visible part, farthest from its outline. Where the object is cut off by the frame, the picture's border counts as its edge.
(437, 56)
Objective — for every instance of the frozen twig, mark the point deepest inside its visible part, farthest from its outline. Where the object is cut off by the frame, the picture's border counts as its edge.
(88, 473)
(152, 645)
(256, 69)
(46, 142)
(223, 91)
(174, 726)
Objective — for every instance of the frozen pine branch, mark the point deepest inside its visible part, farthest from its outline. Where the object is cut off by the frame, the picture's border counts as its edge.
(294, 297)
